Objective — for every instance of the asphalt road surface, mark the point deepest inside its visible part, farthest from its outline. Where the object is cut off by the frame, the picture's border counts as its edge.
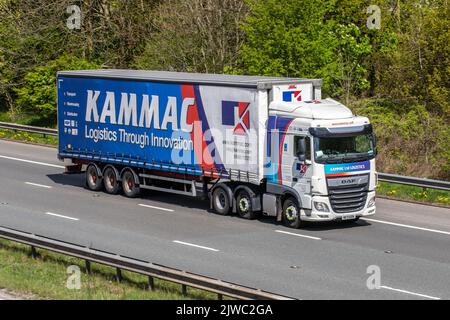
(409, 243)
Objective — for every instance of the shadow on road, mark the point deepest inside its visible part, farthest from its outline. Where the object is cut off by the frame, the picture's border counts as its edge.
(77, 180)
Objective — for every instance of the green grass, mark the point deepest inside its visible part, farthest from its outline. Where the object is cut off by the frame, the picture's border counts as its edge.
(28, 119)
(28, 137)
(404, 192)
(46, 278)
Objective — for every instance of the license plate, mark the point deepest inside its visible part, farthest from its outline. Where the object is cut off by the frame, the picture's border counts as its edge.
(348, 216)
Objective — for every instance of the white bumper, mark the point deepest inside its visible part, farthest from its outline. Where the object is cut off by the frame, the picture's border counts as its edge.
(314, 215)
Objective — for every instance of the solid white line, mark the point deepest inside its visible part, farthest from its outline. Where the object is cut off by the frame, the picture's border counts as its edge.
(412, 293)
(195, 245)
(38, 185)
(298, 235)
(61, 216)
(407, 226)
(153, 207)
(33, 162)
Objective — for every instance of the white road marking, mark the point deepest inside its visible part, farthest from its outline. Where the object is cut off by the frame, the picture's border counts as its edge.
(153, 207)
(412, 293)
(61, 216)
(33, 162)
(407, 226)
(195, 245)
(298, 235)
(38, 185)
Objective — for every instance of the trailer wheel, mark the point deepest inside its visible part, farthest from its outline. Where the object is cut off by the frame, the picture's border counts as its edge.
(110, 181)
(291, 213)
(129, 187)
(221, 201)
(93, 180)
(244, 205)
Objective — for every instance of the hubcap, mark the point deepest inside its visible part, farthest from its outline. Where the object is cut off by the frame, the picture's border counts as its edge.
(111, 180)
(291, 213)
(244, 204)
(93, 176)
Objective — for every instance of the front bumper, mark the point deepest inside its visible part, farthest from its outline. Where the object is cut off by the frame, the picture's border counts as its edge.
(314, 215)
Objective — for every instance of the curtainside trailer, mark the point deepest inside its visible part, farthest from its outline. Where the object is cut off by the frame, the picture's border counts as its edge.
(248, 144)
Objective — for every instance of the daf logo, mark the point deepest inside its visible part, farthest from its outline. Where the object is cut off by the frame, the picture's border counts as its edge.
(348, 181)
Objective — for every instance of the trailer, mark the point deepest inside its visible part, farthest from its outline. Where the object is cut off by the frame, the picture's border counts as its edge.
(248, 144)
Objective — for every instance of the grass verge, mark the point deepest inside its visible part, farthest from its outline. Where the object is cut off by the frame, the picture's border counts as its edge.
(411, 193)
(28, 137)
(46, 278)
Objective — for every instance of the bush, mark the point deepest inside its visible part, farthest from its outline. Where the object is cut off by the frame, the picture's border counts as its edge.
(411, 140)
(39, 92)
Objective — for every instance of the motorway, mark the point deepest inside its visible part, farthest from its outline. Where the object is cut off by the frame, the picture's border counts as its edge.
(408, 242)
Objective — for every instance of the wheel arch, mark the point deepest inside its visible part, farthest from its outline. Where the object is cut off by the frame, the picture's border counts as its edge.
(255, 196)
(116, 171)
(135, 175)
(97, 167)
(228, 189)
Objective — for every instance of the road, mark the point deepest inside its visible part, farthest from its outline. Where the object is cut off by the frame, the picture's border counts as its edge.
(409, 243)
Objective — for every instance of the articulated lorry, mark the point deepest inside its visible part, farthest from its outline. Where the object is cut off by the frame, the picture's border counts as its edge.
(248, 144)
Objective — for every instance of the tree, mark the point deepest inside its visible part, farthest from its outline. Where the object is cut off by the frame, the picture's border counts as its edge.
(39, 90)
(195, 35)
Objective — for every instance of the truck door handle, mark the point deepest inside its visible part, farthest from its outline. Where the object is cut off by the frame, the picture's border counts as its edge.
(295, 179)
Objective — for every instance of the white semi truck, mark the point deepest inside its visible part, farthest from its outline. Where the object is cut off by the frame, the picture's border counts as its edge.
(250, 144)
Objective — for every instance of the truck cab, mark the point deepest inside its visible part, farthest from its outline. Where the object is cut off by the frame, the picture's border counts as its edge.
(323, 157)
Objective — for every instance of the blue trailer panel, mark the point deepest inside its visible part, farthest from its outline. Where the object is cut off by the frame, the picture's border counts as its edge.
(185, 127)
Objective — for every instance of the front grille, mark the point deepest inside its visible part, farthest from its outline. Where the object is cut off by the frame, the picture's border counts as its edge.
(344, 198)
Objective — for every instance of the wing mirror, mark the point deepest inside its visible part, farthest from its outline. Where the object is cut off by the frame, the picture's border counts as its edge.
(301, 149)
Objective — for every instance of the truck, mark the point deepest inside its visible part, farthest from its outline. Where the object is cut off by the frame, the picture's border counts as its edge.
(250, 144)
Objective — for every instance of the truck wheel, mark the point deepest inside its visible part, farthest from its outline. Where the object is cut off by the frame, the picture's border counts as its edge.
(93, 180)
(130, 189)
(110, 181)
(291, 213)
(221, 201)
(244, 205)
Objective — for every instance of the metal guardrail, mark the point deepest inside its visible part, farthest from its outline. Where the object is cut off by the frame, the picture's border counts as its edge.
(386, 177)
(31, 129)
(186, 279)
(416, 182)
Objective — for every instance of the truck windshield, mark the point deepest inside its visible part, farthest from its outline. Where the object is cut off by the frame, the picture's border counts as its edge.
(344, 149)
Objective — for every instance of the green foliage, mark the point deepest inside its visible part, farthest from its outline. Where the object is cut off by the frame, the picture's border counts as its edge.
(399, 191)
(399, 75)
(39, 91)
(411, 141)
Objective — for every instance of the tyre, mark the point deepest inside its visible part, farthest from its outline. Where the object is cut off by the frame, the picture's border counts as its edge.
(110, 181)
(244, 205)
(129, 186)
(291, 213)
(93, 180)
(221, 201)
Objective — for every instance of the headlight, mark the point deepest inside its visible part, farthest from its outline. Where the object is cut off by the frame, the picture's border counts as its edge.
(321, 206)
(371, 202)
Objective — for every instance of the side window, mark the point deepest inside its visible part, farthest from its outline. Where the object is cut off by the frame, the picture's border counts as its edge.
(307, 143)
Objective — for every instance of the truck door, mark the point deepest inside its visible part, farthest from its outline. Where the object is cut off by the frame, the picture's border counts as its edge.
(302, 171)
